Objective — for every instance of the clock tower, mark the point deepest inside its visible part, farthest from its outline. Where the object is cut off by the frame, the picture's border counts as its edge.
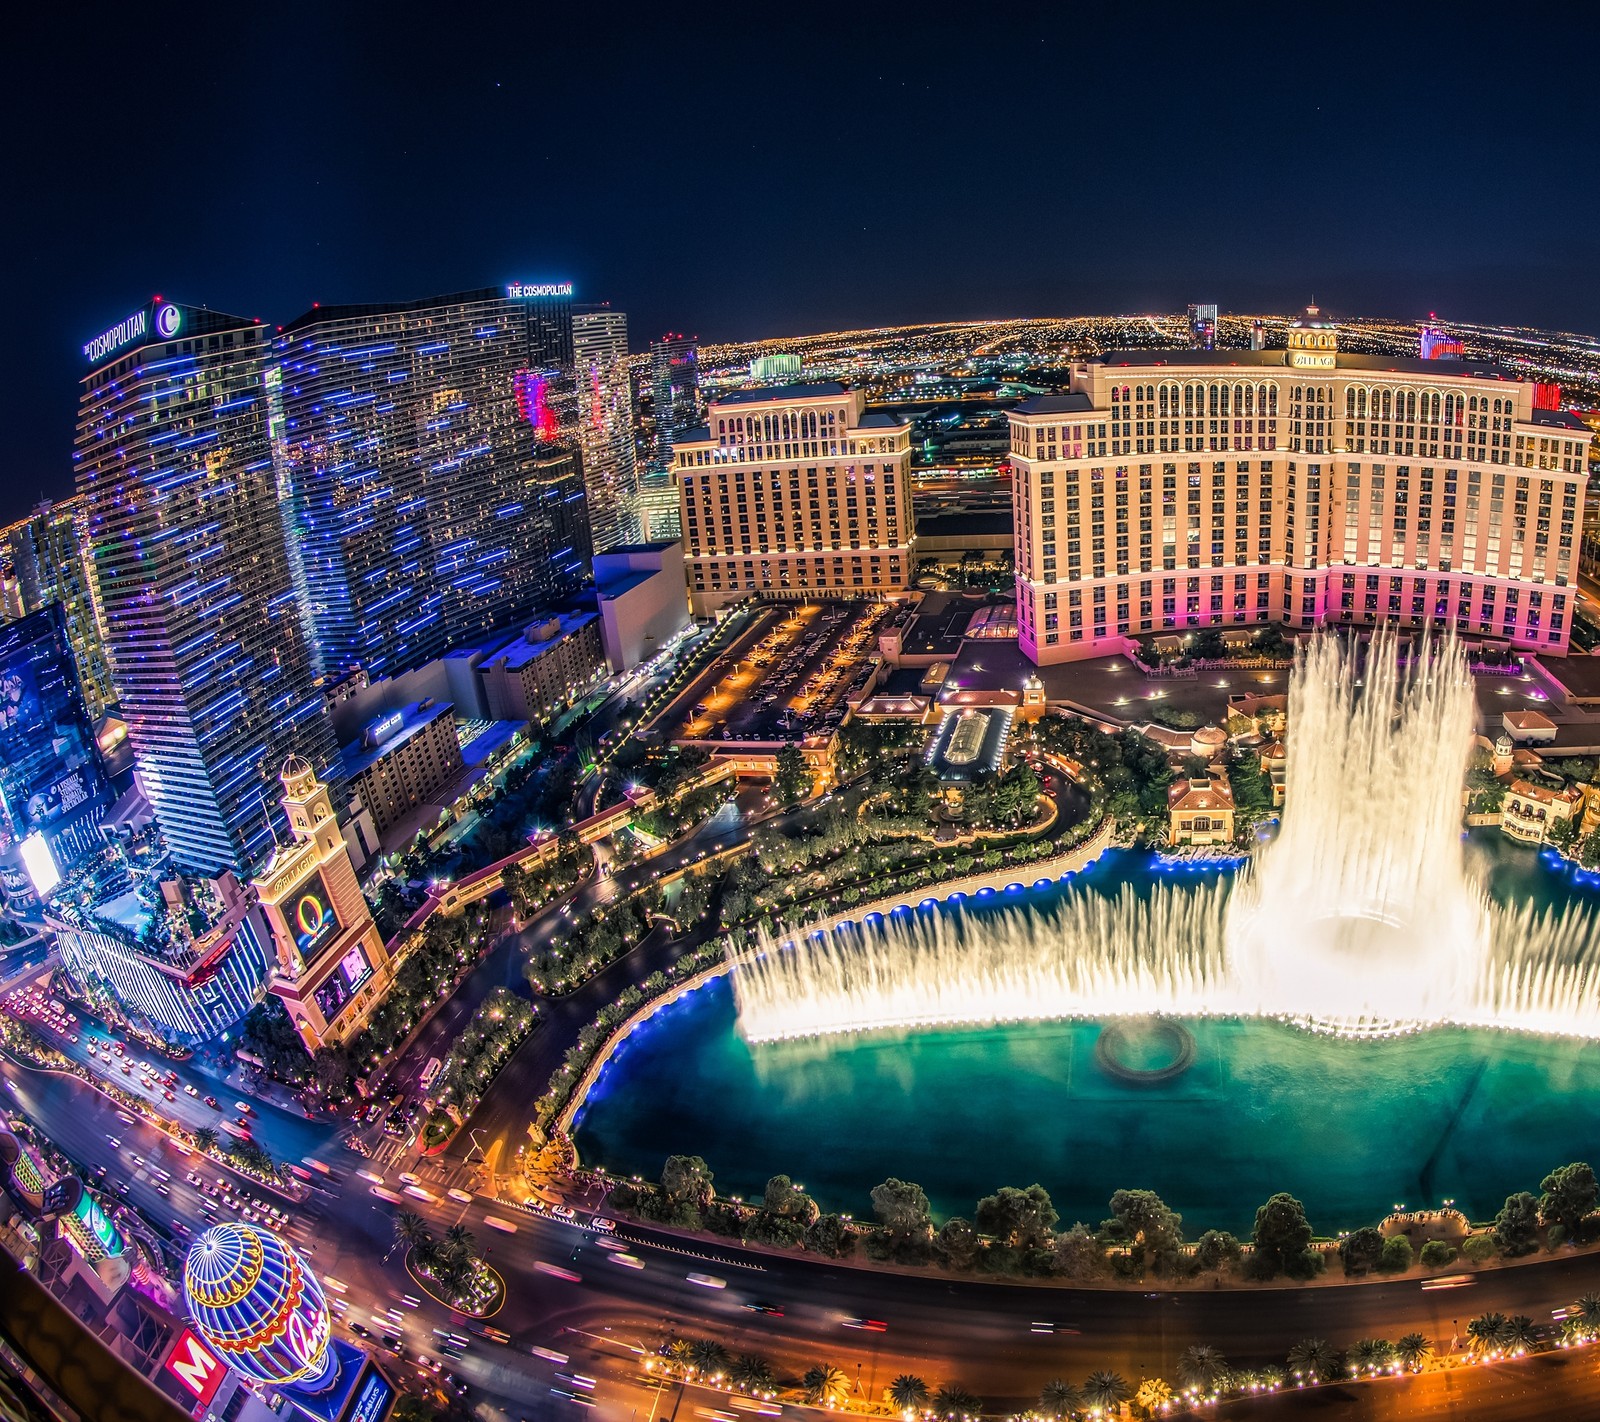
(332, 967)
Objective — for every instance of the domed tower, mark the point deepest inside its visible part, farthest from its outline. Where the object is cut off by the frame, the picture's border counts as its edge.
(332, 965)
(1313, 341)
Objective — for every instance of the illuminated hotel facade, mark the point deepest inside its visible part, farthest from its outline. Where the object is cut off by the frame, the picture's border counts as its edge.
(605, 419)
(1169, 490)
(428, 458)
(795, 491)
(208, 655)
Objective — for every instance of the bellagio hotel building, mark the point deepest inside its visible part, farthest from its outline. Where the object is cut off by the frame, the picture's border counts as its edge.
(1176, 489)
(795, 491)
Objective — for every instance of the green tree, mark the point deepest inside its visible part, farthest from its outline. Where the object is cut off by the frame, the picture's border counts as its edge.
(1078, 1254)
(1570, 1195)
(1202, 1367)
(710, 1359)
(1361, 1250)
(1516, 1227)
(785, 1200)
(791, 781)
(1436, 1253)
(1371, 1356)
(751, 1374)
(908, 1394)
(1282, 1236)
(205, 1139)
(1396, 1256)
(1312, 1360)
(1217, 1249)
(825, 1385)
(1521, 1334)
(1589, 1309)
(1489, 1333)
(1153, 1398)
(1058, 1398)
(1412, 1351)
(1563, 833)
(1150, 1230)
(686, 1180)
(1477, 1248)
(1024, 1219)
(953, 1402)
(830, 1236)
(902, 1208)
(958, 1243)
(1106, 1390)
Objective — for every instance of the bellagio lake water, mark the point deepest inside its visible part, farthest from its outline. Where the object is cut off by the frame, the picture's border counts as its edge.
(1352, 1127)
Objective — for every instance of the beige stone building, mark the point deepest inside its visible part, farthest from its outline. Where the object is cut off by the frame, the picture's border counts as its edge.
(796, 491)
(1531, 811)
(1200, 811)
(1175, 489)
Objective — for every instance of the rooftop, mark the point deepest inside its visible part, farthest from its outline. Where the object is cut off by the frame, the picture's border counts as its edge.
(523, 648)
(1471, 369)
(767, 394)
(358, 756)
(1075, 403)
(1560, 419)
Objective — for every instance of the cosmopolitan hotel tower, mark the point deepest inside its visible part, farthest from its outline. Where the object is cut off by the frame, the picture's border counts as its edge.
(795, 490)
(428, 456)
(207, 650)
(1174, 489)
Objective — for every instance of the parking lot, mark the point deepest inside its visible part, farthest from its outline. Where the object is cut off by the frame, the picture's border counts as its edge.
(791, 682)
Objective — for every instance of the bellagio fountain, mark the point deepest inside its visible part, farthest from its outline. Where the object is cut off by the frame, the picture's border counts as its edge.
(1373, 1010)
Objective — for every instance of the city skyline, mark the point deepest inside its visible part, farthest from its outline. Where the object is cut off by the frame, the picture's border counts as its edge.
(264, 218)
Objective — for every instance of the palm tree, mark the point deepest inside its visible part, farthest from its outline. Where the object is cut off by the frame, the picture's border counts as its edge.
(825, 1384)
(1105, 1390)
(1057, 1398)
(1311, 1360)
(751, 1373)
(908, 1393)
(1412, 1352)
(205, 1139)
(1201, 1367)
(1519, 1333)
(458, 1240)
(411, 1229)
(1588, 1304)
(1371, 1355)
(954, 1402)
(680, 1350)
(1488, 1333)
(710, 1358)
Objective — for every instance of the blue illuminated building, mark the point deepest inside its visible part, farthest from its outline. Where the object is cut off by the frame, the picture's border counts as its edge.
(209, 658)
(428, 456)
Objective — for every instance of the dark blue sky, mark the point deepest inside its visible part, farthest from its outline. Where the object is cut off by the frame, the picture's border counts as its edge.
(756, 170)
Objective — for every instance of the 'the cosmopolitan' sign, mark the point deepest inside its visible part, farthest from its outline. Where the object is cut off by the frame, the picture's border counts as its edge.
(130, 329)
(520, 289)
(168, 319)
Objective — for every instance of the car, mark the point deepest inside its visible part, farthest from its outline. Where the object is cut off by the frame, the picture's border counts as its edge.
(405, 1177)
(707, 1281)
(772, 1310)
(115, 1143)
(213, 1103)
(169, 1096)
(871, 1325)
(361, 1330)
(189, 1089)
(602, 1224)
(242, 1107)
(563, 1212)
(461, 1197)
(628, 1261)
(495, 1222)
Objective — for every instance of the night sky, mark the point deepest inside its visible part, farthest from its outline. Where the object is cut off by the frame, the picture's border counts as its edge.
(765, 169)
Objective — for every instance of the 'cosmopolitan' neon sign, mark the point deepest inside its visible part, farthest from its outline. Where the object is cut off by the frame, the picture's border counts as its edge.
(131, 329)
(519, 289)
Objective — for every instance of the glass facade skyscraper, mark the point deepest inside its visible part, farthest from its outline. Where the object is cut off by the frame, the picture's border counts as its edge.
(427, 454)
(208, 655)
(606, 424)
(676, 408)
(51, 780)
(45, 563)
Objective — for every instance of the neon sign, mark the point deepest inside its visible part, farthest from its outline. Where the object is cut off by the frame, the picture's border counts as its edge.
(168, 319)
(311, 919)
(195, 1366)
(521, 290)
(129, 329)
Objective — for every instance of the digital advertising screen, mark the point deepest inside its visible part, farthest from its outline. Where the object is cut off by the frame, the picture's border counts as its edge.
(353, 970)
(372, 1399)
(310, 916)
(50, 764)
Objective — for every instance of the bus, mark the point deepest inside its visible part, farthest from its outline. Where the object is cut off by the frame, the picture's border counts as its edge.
(429, 1072)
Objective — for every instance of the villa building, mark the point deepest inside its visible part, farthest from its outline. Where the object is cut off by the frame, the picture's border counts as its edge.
(1531, 811)
(1169, 490)
(1200, 811)
(795, 491)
